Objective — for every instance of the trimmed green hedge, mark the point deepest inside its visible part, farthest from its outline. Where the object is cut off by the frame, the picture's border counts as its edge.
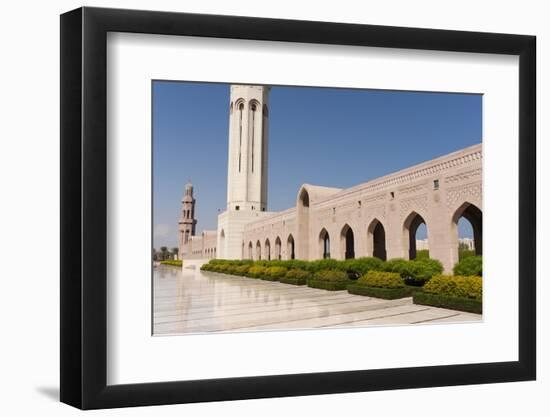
(241, 270)
(379, 279)
(331, 275)
(360, 266)
(256, 271)
(454, 303)
(328, 285)
(293, 281)
(273, 273)
(456, 286)
(416, 272)
(472, 265)
(296, 277)
(172, 262)
(321, 265)
(386, 293)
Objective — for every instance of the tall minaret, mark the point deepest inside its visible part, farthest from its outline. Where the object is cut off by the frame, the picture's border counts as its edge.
(248, 143)
(187, 220)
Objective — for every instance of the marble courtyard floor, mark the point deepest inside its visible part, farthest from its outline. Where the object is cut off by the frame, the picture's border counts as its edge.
(191, 301)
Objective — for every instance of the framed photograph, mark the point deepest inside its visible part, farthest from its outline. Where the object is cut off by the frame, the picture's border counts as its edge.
(257, 208)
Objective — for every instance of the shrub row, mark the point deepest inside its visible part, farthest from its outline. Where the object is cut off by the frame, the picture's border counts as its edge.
(381, 280)
(328, 285)
(471, 265)
(387, 285)
(415, 272)
(455, 286)
(274, 273)
(296, 277)
(455, 292)
(462, 304)
(171, 262)
(378, 292)
(329, 279)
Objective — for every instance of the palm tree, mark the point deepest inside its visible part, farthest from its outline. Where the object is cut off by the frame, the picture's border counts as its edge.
(164, 253)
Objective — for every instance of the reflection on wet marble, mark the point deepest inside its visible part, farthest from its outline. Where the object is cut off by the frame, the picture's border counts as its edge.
(191, 301)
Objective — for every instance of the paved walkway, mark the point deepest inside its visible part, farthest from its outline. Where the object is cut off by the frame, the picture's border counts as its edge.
(190, 301)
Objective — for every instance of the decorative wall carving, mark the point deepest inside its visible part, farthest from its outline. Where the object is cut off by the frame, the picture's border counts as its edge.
(416, 188)
(462, 193)
(463, 176)
(376, 211)
(415, 203)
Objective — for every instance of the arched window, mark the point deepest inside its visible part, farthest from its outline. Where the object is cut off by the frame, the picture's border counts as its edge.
(278, 248)
(413, 223)
(241, 108)
(468, 222)
(376, 240)
(348, 242)
(258, 251)
(267, 250)
(252, 131)
(290, 247)
(324, 242)
(304, 198)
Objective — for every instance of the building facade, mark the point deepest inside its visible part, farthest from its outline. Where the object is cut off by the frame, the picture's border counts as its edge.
(376, 218)
(380, 217)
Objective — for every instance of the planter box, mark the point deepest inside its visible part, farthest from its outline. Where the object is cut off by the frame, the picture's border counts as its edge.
(385, 293)
(453, 303)
(293, 281)
(329, 285)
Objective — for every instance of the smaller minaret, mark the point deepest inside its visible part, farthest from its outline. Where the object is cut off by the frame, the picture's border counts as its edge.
(187, 220)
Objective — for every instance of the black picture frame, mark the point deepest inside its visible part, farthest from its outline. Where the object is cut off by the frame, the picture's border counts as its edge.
(83, 310)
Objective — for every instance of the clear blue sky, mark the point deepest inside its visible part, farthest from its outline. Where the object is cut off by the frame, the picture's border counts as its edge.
(368, 133)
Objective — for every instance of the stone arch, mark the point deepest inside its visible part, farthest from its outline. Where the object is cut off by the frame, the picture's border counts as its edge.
(303, 198)
(302, 221)
(376, 240)
(278, 248)
(239, 104)
(474, 215)
(347, 242)
(250, 251)
(267, 250)
(324, 244)
(290, 247)
(258, 251)
(254, 105)
(410, 226)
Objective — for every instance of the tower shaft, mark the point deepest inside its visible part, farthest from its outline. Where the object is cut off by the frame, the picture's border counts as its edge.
(187, 222)
(248, 145)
